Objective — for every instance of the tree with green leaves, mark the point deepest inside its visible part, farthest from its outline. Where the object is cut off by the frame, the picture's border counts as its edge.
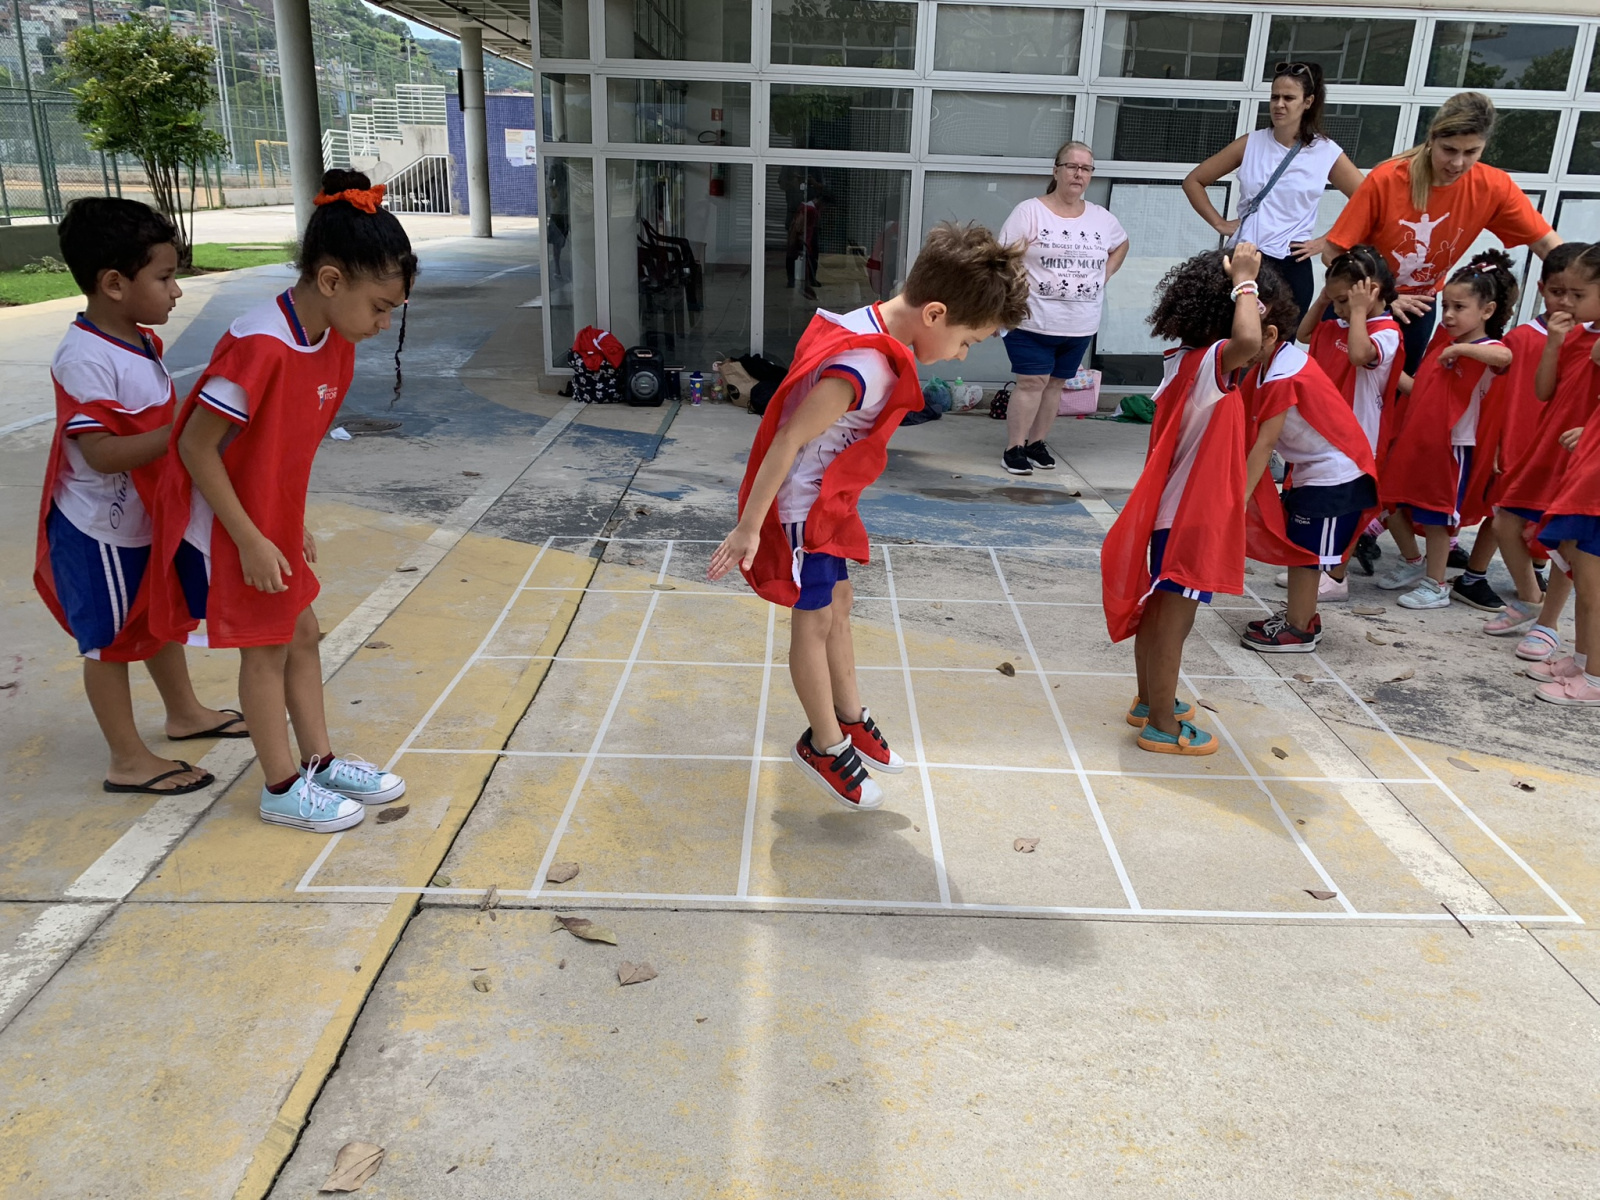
(143, 92)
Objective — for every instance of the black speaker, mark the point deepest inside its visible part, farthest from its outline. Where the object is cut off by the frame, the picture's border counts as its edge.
(644, 378)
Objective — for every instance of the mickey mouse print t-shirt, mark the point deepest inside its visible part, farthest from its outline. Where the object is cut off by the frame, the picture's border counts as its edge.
(1066, 264)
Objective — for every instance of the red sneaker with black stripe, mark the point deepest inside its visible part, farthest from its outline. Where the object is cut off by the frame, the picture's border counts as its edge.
(841, 775)
(869, 742)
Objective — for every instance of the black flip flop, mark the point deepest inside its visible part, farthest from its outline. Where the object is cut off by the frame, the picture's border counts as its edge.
(218, 731)
(148, 787)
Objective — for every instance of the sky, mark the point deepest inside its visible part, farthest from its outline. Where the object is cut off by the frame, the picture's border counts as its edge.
(420, 31)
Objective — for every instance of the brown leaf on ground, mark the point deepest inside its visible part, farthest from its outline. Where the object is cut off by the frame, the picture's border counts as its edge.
(561, 872)
(480, 983)
(1522, 785)
(1369, 699)
(1462, 764)
(663, 587)
(641, 512)
(404, 570)
(385, 815)
(1317, 894)
(491, 898)
(584, 928)
(628, 972)
(472, 474)
(1279, 752)
(355, 1163)
(1025, 845)
(1408, 673)
(1367, 610)
(562, 965)
(1304, 678)
(1375, 639)
(701, 1020)
(1007, 670)
(440, 880)
(377, 645)
(1206, 704)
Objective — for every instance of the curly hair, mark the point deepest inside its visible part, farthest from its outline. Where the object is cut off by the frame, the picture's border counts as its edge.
(1361, 263)
(1277, 297)
(1192, 304)
(979, 281)
(1490, 277)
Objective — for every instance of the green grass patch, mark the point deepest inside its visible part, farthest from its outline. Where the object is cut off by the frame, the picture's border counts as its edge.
(17, 288)
(228, 256)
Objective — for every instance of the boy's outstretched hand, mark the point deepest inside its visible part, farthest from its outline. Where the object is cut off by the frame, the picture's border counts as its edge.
(737, 549)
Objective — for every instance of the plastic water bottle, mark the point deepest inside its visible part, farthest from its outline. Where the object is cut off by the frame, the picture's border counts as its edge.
(697, 387)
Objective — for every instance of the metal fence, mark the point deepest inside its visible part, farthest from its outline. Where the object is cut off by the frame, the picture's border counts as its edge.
(45, 161)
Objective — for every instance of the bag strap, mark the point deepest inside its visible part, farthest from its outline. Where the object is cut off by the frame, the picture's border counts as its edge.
(1250, 207)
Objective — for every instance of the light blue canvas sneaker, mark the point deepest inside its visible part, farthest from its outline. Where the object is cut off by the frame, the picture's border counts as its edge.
(359, 780)
(308, 806)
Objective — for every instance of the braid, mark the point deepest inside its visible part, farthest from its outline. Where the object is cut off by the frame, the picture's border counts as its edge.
(399, 379)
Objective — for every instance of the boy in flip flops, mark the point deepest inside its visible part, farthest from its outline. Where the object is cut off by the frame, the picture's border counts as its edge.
(114, 406)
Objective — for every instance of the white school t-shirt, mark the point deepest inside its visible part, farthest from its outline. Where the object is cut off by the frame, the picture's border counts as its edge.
(1210, 386)
(1465, 431)
(1316, 461)
(1288, 213)
(89, 366)
(1066, 265)
(872, 378)
(1372, 379)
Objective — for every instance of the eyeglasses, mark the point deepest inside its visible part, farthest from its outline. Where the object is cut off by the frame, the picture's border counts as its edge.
(1292, 68)
(1075, 168)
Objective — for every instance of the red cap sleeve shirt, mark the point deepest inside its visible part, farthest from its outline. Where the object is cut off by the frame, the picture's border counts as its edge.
(1532, 482)
(283, 393)
(1369, 390)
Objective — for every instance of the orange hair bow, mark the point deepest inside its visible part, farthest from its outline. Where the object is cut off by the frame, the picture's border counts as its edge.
(367, 201)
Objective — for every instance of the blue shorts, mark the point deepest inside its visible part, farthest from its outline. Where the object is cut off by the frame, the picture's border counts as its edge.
(818, 572)
(1426, 516)
(1584, 531)
(1044, 354)
(96, 582)
(194, 576)
(1324, 520)
(1158, 551)
(1531, 515)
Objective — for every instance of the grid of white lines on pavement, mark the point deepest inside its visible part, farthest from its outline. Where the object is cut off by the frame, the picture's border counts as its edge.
(918, 761)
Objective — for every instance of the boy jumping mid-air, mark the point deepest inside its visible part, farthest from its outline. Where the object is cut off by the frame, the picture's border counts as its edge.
(824, 440)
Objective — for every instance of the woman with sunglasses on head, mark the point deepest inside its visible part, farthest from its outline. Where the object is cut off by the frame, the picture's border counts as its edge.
(1072, 248)
(1283, 171)
(1423, 209)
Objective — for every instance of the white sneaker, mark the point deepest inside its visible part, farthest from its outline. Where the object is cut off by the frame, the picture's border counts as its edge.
(1426, 594)
(1331, 590)
(1403, 576)
(1281, 579)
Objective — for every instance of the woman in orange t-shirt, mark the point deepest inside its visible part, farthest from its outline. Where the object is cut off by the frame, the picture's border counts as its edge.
(1423, 210)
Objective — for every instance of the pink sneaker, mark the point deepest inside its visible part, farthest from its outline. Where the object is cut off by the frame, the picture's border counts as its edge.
(1537, 647)
(1516, 618)
(1554, 672)
(1576, 691)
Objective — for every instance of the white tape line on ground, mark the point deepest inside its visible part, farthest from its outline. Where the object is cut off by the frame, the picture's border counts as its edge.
(55, 933)
(26, 423)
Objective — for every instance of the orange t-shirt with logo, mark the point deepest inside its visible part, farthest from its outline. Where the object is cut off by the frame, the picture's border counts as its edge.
(1422, 246)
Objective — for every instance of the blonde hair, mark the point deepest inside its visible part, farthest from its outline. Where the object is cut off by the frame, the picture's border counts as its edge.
(979, 281)
(1466, 114)
(1065, 146)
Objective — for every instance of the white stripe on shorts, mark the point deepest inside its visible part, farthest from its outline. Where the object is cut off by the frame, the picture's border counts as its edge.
(117, 615)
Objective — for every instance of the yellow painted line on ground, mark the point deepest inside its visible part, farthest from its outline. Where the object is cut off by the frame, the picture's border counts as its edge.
(284, 1133)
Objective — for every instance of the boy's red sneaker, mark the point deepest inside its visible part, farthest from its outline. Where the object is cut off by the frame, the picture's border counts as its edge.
(840, 775)
(869, 742)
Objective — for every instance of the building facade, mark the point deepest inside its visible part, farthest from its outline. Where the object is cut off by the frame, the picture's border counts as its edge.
(713, 171)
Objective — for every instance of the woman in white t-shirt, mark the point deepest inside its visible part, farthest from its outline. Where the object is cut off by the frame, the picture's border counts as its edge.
(1073, 248)
(1280, 220)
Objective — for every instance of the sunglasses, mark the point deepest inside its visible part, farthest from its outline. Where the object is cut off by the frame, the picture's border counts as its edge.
(1292, 68)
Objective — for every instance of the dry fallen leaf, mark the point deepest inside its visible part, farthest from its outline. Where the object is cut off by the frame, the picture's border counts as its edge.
(472, 474)
(663, 587)
(1007, 670)
(491, 898)
(1375, 640)
(1025, 845)
(1206, 704)
(1304, 678)
(377, 645)
(1279, 752)
(641, 512)
(1074, 492)
(1369, 699)
(562, 965)
(701, 1020)
(385, 815)
(1316, 894)
(628, 972)
(1462, 764)
(561, 872)
(1408, 673)
(441, 880)
(405, 569)
(480, 983)
(1367, 610)
(1523, 785)
(356, 1163)
(584, 928)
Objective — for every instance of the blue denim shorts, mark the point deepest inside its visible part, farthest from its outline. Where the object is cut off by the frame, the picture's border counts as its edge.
(1043, 354)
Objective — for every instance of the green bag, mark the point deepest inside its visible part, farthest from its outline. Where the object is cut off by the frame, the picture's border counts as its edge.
(1140, 409)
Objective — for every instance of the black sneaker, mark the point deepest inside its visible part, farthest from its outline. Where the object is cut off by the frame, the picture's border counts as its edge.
(1277, 636)
(1016, 461)
(1477, 594)
(1543, 577)
(1458, 560)
(1282, 616)
(1368, 552)
(1039, 456)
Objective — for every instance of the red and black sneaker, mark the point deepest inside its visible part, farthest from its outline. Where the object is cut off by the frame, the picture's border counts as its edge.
(1277, 636)
(869, 742)
(840, 775)
(1283, 615)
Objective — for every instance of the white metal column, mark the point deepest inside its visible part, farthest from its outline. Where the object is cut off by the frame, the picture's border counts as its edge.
(475, 127)
(298, 72)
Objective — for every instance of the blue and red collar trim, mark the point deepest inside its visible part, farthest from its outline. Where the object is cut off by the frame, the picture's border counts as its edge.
(286, 306)
(144, 350)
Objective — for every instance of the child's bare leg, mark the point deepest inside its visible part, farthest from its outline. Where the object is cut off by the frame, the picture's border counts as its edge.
(1438, 539)
(842, 656)
(1303, 583)
(1586, 578)
(1555, 599)
(106, 685)
(1022, 408)
(1483, 548)
(1168, 618)
(1049, 406)
(261, 696)
(1404, 533)
(1141, 656)
(810, 673)
(1508, 529)
(169, 668)
(302, 688)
